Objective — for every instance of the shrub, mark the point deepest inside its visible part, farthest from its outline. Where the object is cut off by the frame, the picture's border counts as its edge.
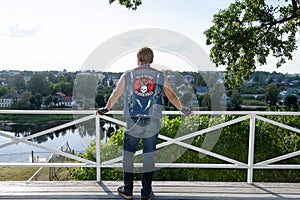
(231, 141)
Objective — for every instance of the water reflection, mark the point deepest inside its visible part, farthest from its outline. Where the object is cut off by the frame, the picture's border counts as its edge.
(84, 129)
(78, 136)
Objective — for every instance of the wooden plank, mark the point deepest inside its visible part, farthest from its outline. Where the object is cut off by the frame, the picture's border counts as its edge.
(106, 190)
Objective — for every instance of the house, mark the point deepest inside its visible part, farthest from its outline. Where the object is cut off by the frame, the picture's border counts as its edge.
(201, 90)
(225, 100)
(112, 81)
(171, 79)
(64, 100)
(6, 101)
(188, 78)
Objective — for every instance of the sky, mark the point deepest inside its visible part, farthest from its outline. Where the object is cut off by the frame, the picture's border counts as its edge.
(45, 35)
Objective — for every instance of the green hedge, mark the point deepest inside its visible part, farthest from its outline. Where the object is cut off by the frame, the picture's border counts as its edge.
(231, 141)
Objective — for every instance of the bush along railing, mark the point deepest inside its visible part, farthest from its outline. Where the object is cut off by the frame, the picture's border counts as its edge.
(236, 144)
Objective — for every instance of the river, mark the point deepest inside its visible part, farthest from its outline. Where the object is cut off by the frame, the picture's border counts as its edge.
(78, 138)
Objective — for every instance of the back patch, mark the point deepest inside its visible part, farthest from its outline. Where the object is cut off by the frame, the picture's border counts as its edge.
(143, 85)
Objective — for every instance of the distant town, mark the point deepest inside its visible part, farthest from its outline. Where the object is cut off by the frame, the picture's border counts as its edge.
(89, 90)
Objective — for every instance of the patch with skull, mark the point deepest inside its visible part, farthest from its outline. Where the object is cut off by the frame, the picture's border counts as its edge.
(144, 85)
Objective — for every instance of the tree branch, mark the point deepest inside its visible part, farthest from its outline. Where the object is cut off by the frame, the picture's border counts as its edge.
(294, 15)
(295, 7)
(273, 23)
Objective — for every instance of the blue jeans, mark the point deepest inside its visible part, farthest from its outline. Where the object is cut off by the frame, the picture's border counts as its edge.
(146, 129)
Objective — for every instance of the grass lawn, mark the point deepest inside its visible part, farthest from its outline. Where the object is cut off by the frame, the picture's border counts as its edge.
(23, 174)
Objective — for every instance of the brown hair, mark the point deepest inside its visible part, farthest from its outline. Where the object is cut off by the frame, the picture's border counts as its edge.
(145, 55)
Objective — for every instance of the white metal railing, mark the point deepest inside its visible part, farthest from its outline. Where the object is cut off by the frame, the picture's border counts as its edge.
(88, 115)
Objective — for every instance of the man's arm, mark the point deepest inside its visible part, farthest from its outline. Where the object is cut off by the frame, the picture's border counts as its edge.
(171, 95)
(174, 99)
(115, 95)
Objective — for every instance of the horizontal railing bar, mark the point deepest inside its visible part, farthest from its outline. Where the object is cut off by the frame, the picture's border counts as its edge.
(119, 112)
(157, 165)
(205, 165)
(47, 164)
(180, 165)
(119, 165)
(49, 112)
(279, 166)
(279, 158)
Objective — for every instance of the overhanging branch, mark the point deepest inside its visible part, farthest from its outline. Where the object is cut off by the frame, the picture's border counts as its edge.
(280, 21)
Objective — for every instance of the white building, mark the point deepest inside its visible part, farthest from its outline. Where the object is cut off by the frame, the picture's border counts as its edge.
(5, 101)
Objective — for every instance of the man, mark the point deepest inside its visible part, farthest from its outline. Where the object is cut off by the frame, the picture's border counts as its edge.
(143, 89)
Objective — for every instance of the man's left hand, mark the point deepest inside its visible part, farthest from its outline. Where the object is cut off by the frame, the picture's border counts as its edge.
(186, 111)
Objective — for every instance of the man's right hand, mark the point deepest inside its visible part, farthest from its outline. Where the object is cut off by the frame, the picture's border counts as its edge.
(102, 111)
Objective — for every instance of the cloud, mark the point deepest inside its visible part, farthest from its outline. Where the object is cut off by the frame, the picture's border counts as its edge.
(23, 30)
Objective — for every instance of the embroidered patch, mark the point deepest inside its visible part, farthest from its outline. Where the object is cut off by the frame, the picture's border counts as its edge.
(143, 85)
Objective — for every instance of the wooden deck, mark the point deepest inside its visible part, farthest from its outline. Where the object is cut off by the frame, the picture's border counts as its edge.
(106, 190)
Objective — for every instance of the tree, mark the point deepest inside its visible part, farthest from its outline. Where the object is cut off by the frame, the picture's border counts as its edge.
(4, 89)
(186, 98)
(99, 99)
(216, 92)
(13, 94)
(206, 101)
(130, 4)
(26, 96)
(272, 94)
(111, 82)
(55, 101)
(247, 32)
(52, 78)
(64, 87)
(19, 81)
(48, 101)
(291, 101)
(236, 100)
(84, 89)
(39, 84)
(36, 101)
(198, 79)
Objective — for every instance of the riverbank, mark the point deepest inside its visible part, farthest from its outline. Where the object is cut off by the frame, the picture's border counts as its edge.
(34, 118)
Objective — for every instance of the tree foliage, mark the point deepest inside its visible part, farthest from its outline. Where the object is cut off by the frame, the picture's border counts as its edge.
(291, 101)
(236, 100)
(130, 4)
(272, 93)
(39, 84)
(248, 31)
(270, 141)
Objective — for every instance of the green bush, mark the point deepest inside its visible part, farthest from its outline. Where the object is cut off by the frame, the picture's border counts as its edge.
(231, 141)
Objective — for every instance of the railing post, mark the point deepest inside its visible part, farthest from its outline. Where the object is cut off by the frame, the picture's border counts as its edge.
(98, 156)
(251, 149)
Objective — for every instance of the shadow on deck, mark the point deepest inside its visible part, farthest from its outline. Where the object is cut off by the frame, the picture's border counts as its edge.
(163, 190)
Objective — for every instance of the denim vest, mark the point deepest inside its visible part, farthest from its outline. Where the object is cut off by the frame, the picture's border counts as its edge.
(143, 95)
